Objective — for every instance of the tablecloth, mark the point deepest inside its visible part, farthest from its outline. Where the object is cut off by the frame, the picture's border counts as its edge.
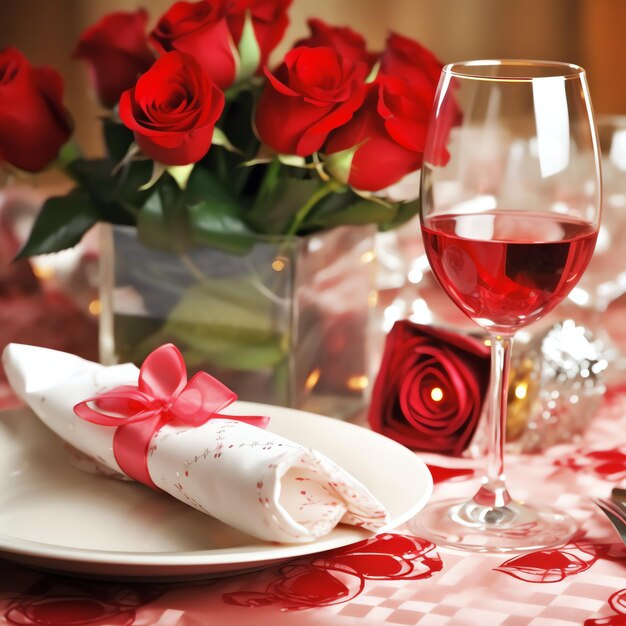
(394, 578)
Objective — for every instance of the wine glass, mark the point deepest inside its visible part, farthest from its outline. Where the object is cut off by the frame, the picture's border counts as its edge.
(510, 215)
(605, 278)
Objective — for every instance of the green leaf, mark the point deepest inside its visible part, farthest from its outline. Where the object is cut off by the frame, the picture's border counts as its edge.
(215, 216)
(113, 193)
(220, 139)
(117, 138)
(235, 124)
(271, 181)
(356, 214)
(226, 322)
(279, 199)
(345, 207)
(126, 184)
(406, 212)
(61, 224)
(163, 221)
(217, 225)
(324, 191)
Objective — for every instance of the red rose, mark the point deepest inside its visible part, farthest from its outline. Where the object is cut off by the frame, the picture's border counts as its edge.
(200, 29)
(407, 59)
(393, 122)
(269, 18)
(116, 51)
(347, 42)
(172, 110)
(430, 388)
(313, 92)
(34, 125)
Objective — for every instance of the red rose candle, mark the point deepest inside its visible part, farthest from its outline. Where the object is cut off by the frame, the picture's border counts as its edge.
(430, 389)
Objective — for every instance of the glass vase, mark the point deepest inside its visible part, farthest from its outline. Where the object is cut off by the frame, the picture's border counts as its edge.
(284, 322)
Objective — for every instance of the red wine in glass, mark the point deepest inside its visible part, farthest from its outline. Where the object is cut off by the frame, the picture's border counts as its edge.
(505, 272)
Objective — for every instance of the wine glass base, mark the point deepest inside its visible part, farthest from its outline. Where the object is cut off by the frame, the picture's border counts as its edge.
(517, 527)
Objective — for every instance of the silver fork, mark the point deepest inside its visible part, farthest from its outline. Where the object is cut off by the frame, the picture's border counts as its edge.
(615, 512)
(619, 497)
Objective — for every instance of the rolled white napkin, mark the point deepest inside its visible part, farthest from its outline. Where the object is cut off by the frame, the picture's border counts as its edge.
(247, 477)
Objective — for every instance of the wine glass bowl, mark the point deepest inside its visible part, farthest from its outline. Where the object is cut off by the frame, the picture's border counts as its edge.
(510, 216)
(502, 276)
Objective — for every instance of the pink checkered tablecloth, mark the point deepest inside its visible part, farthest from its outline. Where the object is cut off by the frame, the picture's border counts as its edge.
(394, 578)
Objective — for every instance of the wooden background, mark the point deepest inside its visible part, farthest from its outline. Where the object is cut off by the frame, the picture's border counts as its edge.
(591, 33)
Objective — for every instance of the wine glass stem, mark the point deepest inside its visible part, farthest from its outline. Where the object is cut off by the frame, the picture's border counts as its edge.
(493, 492)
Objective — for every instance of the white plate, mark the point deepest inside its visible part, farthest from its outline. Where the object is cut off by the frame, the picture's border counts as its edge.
(54, 516)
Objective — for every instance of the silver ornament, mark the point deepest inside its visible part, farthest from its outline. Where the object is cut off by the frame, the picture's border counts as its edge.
(567, 379)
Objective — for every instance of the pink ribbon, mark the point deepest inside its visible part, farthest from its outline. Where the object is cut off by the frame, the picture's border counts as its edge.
(162, 395)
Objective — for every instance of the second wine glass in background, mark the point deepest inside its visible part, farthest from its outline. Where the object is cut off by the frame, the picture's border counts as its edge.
(604, 280)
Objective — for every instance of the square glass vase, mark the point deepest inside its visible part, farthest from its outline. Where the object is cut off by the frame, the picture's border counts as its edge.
(286, 322)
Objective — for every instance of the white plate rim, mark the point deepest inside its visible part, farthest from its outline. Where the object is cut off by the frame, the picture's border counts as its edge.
(53, 554)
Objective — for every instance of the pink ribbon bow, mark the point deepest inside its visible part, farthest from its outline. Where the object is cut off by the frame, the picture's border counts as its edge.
(162, 395)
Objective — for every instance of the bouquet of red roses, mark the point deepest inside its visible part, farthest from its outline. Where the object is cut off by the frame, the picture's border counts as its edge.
(207, 143)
